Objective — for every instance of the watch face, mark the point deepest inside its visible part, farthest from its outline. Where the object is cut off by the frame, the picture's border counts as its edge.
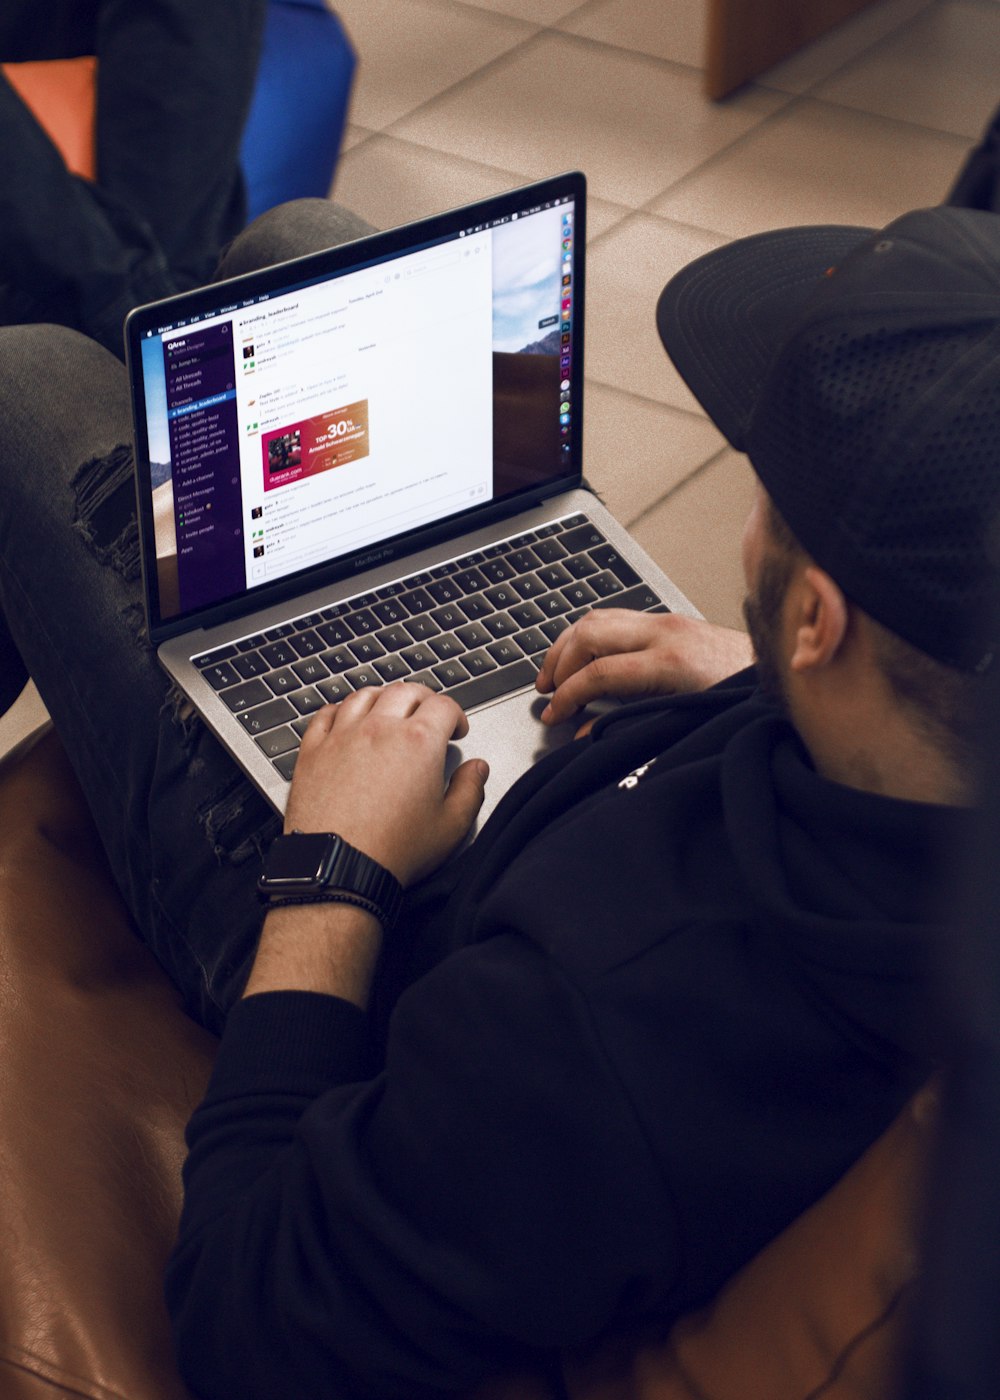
(302, 860)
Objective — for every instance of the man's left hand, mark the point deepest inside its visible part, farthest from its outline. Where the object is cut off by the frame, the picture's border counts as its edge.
(371, 769)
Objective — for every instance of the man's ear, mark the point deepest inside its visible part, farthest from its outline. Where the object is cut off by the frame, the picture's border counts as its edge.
(819, 617)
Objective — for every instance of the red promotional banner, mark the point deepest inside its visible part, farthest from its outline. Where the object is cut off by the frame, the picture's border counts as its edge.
(315, 445)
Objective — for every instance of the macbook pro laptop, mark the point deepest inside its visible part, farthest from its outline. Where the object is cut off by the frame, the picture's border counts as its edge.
(365, 465)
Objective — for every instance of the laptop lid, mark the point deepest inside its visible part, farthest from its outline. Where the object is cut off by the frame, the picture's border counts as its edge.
(310, 420)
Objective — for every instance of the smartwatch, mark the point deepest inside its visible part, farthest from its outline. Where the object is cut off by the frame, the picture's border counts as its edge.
(319, 867)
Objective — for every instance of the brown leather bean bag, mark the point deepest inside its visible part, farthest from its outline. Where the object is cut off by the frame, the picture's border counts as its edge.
(100, 1069)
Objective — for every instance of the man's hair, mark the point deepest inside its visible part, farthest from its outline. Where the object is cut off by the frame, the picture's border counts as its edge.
(944, 701)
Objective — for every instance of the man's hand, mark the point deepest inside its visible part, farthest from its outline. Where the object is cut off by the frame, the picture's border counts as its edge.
(611, 652)
(371, 769)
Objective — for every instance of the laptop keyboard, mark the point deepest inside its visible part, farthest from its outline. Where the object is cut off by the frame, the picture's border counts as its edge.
(476, 627)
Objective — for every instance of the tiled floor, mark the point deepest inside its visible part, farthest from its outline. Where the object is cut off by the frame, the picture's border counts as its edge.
(459, 98)
(456, 99)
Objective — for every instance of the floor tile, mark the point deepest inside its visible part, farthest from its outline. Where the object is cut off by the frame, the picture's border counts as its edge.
(635, 451)
(602, 215)
(353, 136)
(410, 53)
(816, 163)
(695, 536)
(627, 270)
(675, 31)
(632, 123)
(941, 71)
(389, 181)
(842, 45)
(537, 11)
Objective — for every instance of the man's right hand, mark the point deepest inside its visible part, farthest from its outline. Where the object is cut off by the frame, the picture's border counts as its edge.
(611, 652)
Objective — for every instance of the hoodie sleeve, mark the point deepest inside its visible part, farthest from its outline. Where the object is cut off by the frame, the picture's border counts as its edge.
(489, 1194)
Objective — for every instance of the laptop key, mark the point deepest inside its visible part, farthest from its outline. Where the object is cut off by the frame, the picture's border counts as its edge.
(283, 680)
(339, 660)
(504, 652)
(389, 611)
(552, 604)
(278, 654)
(449, 673)
(550, 551)
(477, 663)
(553, 628)
(307, 702)
(526, 614)
(444, 590)
(429, 679)
(394, 638)
(475, 607)
(212, 657)
(495, 683)
(250, 664)
(583, 537)
(308, 643)
(522, 561)
(419, 657)
(448, 617)
(502, 595)
(497, 570)
(367, 649)
(274, 634)
(555, 575)
(335, 689)
(285, 764)
(638, 599)
(364, 676)
(471, 580)
(607, 557)
(529, 585)
(392, 668)
(335, 633)
(310, 670)
(416, 601)
(500, 625)
(220, 675)
(579, 595)
(364, 621)
(264, 717)
(473, 634)
(580, 565)
(446, 646)
(420, 628)
(605, 584)
(532, 640)
(242, 697)
(278, 741)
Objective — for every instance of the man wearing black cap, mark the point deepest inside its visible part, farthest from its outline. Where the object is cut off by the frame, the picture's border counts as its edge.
(685, 973)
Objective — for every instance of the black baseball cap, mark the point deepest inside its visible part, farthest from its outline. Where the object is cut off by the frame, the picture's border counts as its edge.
(859, 369)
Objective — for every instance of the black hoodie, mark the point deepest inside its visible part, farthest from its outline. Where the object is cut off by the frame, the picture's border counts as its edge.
(689, 981)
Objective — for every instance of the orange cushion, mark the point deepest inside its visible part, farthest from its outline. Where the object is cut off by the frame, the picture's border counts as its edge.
(62, 94)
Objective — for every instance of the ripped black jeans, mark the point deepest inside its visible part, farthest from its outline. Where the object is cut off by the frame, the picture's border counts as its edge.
(182, 827)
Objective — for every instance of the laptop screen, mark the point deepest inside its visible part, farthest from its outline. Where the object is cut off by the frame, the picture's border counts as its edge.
(320, 417)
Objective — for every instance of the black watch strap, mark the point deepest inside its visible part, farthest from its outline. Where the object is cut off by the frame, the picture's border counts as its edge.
(321, 867)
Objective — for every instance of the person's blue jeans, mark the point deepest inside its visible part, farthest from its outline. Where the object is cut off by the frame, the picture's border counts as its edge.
(182, 827)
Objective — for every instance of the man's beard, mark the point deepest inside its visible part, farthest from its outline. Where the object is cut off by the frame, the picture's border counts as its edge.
(762, 614)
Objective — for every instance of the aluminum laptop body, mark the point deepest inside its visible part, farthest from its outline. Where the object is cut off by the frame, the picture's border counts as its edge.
(366, 464)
